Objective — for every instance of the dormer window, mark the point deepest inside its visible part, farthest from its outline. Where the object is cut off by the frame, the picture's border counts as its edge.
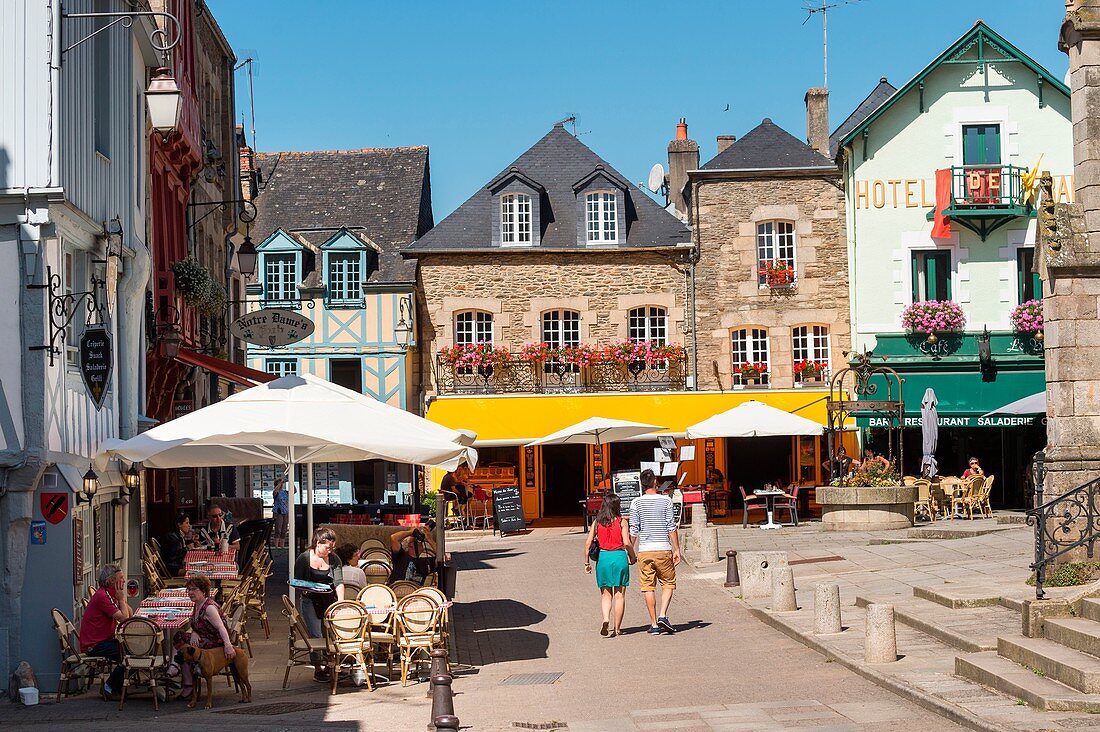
(515, 219)
(345, 278)
(601, 218)
(280, 278)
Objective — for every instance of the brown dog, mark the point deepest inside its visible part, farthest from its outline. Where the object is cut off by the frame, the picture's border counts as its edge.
(211, 662)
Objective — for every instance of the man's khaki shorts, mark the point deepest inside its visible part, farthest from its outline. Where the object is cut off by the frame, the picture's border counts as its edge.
(653, 566)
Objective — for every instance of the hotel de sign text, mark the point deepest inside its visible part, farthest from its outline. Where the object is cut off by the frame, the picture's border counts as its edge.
(921, 192)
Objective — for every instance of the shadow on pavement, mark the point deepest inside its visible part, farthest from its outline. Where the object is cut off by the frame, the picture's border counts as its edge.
(499, 613)
(481, 559)
(498, 646)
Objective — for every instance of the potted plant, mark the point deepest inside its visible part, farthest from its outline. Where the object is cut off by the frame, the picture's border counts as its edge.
(1027, 317)
(751, 372)
(661, 354)
(776, 273)
(933, 316)
(808, 370)
(197, 287)
(536, 353)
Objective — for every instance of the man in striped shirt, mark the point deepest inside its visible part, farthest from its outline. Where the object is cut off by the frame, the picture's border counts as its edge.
(653, 527)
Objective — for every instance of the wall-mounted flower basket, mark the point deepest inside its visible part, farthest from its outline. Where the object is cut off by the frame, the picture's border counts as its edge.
(197, 287)
(933, 316)
(1027, 318)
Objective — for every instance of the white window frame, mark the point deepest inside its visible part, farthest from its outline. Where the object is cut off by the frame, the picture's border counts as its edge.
(473, 326)
(561, 328)
(345, 285)
(281, 366)
(750, 344)
(281, 281)
(648, 323)
(601, 210)
(811, 342)
(516, 220)
(775, 241)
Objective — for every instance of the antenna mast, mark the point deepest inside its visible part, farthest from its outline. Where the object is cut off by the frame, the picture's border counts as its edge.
(248, 61)
(824, 10)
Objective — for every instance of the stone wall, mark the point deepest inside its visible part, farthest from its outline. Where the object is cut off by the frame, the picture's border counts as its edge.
(728, 294)
(517, 287)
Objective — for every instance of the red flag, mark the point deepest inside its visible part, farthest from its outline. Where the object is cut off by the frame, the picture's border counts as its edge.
(941, 225)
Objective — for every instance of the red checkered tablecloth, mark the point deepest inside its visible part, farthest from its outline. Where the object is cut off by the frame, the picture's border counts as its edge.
(207, 555)
(168, 609)
(213, 570)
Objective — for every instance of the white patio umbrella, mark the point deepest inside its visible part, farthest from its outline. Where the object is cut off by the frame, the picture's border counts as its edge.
(294, 420)
(753, 419)
(596, 431)
(930, 432)
(1034, 404)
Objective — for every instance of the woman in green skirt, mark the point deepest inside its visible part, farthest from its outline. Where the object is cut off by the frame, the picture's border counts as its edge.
(613, 565)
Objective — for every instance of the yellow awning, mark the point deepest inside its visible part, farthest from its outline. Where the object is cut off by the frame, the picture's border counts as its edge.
(518, 419)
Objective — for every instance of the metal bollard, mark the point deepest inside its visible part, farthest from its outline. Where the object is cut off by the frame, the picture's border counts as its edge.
(732, 578)
(443, 705)
(439, 667)
(446, 722)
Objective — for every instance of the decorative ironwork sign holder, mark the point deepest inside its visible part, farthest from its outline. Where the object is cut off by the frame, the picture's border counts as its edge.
(854, 390)
(63, 307)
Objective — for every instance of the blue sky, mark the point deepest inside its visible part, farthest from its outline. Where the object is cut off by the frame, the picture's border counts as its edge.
(480, 82)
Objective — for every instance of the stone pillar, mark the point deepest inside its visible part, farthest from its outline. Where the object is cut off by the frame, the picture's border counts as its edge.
(783, 597)
(827, 608)
(1069, 261)
(880, 641)
(707, 545)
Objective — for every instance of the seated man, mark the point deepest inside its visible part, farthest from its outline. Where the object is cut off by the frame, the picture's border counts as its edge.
(105, 611)
(413, 554)
(218, 528)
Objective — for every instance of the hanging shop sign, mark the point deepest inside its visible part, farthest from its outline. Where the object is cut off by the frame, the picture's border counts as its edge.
(272, 327)
(96, 363)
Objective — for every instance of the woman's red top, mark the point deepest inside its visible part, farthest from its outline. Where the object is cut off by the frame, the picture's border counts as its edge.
(610, 537)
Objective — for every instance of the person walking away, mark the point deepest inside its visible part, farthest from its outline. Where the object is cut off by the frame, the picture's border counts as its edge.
(613, 565)
(653, 527)
(319, 563)
(280, 511)
(105, 611)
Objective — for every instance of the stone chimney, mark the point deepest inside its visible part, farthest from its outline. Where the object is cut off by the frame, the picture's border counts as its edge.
(248, 166)
(683, 155)
(725, 141)
(817, 120)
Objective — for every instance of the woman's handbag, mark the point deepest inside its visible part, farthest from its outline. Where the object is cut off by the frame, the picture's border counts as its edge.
(594, 549)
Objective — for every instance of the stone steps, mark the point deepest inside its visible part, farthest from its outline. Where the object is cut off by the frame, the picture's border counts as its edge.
(968, 629)
(960, 596)
(1049, 658)
(1090, 608)
(1082, 634)
(1008, 677)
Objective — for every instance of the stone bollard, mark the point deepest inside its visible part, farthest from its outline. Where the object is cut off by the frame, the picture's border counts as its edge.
(698, 519)
(439, 667)
(827, 608)
(708, 546)
(880, 644)
(732, 580)
(783, 600)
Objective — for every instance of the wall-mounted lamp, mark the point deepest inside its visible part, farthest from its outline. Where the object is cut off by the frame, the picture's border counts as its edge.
(131, 480)
(402, 332)
(246, 256)
(89, 487)
(170, 342)
(985, 354)
(164, 101)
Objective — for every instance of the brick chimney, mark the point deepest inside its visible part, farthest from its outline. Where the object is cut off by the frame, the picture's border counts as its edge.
(683, 155)
(725, 141)
(248, 166)
(817, 120)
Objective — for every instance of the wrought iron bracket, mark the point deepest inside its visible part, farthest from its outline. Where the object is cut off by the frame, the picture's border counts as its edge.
(63, 307)
(247, 213)
(158, 38)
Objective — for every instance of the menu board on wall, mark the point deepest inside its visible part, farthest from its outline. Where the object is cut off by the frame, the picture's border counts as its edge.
(326, 483)
(78, 550)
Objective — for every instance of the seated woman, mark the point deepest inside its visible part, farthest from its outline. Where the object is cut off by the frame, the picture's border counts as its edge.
(174, 545)
(349, 555)
(208, 627)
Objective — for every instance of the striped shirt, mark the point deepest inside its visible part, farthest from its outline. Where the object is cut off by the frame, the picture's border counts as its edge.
(651, 521)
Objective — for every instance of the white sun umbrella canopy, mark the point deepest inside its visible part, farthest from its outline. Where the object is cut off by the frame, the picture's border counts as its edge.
(930, 433)
(294, 420)
(1034, 404)
(753, 419)
(596, 431)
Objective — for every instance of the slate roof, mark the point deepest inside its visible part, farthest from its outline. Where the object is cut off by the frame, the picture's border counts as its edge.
(882, 91)
(555, 162)
(767, 146)
(382, 193)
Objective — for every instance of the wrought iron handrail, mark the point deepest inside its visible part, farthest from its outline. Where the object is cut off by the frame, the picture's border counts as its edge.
(514, 376)
(1061, 516)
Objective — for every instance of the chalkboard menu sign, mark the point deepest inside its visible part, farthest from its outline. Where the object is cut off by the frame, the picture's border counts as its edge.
(627, 485)
(95, 363)
(508, 510)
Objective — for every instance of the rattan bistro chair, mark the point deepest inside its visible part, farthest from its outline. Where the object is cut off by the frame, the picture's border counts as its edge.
(74, 664)
(141, 644)
(301, 648)
(925, 502)
(418, 619)
(380, 602)
(348, 639)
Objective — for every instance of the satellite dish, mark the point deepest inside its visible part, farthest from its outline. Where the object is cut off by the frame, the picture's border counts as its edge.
(656, 177)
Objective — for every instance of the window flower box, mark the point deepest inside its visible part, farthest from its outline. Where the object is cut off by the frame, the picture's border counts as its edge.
(751, 374)
(1027, 318)
(929, 317)
(776, 273)
(807, 371)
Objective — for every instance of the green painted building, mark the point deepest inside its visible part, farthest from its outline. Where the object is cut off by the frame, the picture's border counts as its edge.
(987, 117)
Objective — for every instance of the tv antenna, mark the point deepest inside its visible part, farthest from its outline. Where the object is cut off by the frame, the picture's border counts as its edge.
(824, 9)
(249, 60)
(570, 120)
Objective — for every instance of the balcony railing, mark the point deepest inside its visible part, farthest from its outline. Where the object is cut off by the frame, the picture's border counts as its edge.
(992, 188)
(518, 376)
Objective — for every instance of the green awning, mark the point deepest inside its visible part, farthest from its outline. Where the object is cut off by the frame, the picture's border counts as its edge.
(964, 397)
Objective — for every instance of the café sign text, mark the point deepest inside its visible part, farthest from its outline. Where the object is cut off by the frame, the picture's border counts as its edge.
(272, 327)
